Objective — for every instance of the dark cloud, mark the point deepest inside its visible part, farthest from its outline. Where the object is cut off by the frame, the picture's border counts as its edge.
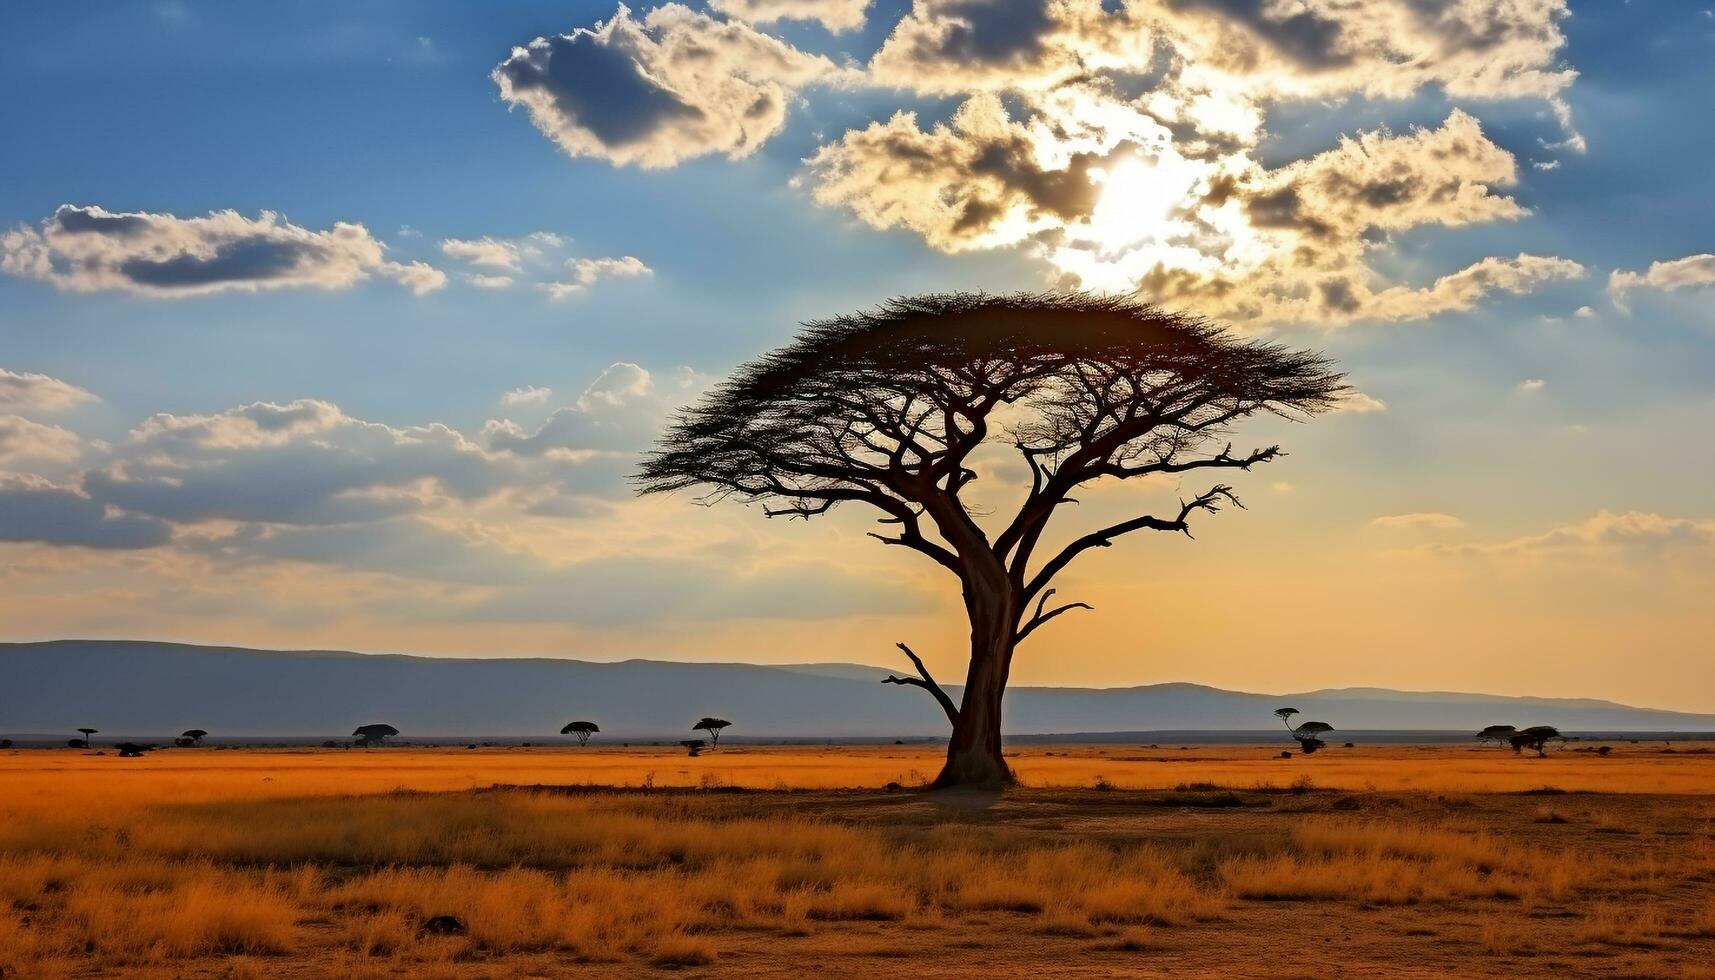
(233, 263)
(33, 510)
(674, 85)
(593, 85)
(90, 249)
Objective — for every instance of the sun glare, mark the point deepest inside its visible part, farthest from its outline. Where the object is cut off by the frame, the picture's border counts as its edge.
(1137, 202)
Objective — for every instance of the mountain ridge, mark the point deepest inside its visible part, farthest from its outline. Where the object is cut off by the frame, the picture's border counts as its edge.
(156, 685)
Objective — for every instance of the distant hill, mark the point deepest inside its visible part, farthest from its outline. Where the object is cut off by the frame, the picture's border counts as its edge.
(139, 688)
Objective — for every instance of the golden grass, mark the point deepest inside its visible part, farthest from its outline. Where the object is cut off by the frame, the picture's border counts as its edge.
(62, 779)
(597, 877)
(1395, 864)
(143, 864)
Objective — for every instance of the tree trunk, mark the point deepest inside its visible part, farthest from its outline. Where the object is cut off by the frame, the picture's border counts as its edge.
(974, 751)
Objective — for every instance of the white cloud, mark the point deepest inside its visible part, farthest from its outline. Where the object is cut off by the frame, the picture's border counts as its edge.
(1357, 403)
(618, 384)
(1428, 520)
(1103, 192)
(90, 249)
(587, 272)
(24, 391)
(482, 281)
(508, 255)
(1584, 313)
(301, 462)
(674, 85)
(22, 439)
(1691, 272)
(527, 395)
(835, 15)
(486, 251)
(623, 407)
(1637, 537)
(1530, 385)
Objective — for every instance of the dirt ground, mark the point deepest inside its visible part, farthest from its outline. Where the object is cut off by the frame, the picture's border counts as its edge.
(1383, 862)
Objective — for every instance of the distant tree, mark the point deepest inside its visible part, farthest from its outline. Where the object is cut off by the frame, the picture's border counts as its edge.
(1498, 734)
(693, 746)
(1285, 716)
(1309, 735)
(713, 726)
(581, 730)
(367, 735)
(87, 732)
(132, 750)
(196, 735)
(891, 409)
(1535, 737)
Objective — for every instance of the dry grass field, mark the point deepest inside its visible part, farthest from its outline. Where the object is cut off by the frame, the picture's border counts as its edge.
(782, 862)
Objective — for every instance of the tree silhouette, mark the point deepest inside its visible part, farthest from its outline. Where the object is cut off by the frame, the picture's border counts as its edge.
(196, 735)
(1535, 737)
(1309, 735)
(886, 408)
(713, 726)
(1498, 734)
(581, 730)
(1285, 716)
(87, 732)
(368, 735)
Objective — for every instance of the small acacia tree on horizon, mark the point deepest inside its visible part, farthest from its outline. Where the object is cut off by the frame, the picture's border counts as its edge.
(1535, 737)
(1498, 734)
(886, 408)
(713, 726)
(375, 734)
(581, 730)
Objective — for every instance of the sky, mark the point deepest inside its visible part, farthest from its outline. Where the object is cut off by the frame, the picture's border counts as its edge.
(341, 325)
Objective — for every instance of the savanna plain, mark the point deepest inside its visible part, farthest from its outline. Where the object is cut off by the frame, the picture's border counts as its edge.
(1393, 860)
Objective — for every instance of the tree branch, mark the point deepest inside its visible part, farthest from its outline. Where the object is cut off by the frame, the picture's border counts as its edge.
(1042, 617)
(1209, 501)
(926, 682)
(1224, 458)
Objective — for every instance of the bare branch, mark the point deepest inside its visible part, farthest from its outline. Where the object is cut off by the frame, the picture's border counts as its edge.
(1042, 617)
(1209, 501)
(1223, 459)
(926, 682)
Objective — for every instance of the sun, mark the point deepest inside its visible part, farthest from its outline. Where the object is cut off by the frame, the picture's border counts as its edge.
(1139, 200)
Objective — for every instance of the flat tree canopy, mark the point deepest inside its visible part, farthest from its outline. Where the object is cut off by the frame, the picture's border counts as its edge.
(713, 726)
(885, 408)
(582, 730)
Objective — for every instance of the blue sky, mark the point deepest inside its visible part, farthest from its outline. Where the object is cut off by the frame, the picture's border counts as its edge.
(1530, 452)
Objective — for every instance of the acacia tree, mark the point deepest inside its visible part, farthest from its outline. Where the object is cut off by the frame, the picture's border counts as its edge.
(886, 408)
(581, 730)
(713, 726)
(376, 734)
(1285, 716)
(1498, 734)
(1309, 735)
(1535, 737)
